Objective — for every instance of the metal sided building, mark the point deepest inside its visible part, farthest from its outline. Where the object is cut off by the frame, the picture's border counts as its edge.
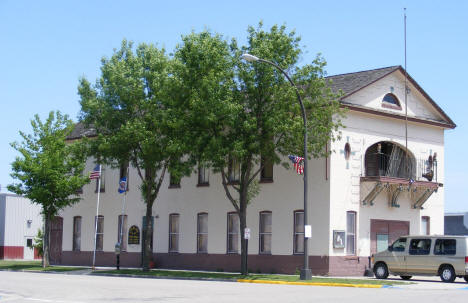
(20, 221)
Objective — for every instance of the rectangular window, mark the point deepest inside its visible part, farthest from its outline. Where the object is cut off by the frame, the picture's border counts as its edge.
(266, 174)
(420, 247)
(174, 182)
(425, 225)
(124, 172)
(101, 180)
(100, 233)
(299, 232)
(445, 247)
(77, 233)
(202, 233)
(399, 245)
(79, 191)
(265, 233)
(382, 242)
(203, 176)
(233, 233)
(350, 233)
(122, 232)
(233, 170)
(174, 233)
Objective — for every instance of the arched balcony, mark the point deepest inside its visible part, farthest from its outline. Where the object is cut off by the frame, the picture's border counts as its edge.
(386, 159)
(388, 167)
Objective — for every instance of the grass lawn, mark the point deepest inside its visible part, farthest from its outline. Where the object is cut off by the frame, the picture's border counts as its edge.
(33, 266)
(233, 276)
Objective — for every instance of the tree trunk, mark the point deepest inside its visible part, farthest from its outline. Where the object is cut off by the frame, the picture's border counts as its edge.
(147, 251)
(46, 241)
(244, 252)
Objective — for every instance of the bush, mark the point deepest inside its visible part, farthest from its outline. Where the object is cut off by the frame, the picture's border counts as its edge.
(38, 243)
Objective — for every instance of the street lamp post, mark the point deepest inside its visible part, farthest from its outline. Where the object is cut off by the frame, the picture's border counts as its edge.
(305, 272)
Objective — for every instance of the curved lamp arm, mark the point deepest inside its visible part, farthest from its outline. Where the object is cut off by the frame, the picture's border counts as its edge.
(305, 272)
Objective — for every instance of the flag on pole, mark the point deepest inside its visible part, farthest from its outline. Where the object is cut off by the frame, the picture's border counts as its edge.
(96, 173)
(298, 163)
(122, 185)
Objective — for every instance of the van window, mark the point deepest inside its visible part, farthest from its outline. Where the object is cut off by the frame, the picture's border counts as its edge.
(420, 247)
(399, 245)
(445, 247)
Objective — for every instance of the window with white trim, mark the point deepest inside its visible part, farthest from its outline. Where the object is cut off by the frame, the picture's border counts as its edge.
(351, 233)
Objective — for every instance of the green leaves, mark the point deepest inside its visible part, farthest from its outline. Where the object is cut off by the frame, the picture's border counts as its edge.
(49, 170)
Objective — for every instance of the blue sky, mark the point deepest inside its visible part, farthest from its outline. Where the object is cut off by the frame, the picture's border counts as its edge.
(47, 45)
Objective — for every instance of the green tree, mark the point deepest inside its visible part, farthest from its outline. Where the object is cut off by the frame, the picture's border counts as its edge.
(49, 169)
(132, 111)
(247, 113)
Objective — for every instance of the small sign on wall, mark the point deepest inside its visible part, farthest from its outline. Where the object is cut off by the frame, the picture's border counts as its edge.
(339, 237)
(308, 231)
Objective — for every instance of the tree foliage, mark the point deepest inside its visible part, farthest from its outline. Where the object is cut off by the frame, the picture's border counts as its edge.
(248, 112)
(132, 109)
(49, 169)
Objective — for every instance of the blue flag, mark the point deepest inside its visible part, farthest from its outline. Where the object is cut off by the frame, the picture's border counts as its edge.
(123, 185)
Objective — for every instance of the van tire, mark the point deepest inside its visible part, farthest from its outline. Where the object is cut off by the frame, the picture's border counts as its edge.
(447, 274)
(380, 270)
(406, 277)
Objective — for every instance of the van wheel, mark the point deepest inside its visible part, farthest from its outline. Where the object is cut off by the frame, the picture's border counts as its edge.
(447, 274)
(406, 277)
(380, 271)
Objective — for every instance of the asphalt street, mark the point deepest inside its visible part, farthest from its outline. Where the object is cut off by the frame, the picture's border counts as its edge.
(62, 288)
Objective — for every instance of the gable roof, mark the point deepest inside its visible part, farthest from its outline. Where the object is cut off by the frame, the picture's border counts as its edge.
(351, 83)
(80, 131)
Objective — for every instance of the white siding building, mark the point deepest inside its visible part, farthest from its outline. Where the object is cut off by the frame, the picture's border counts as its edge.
(361, 198)
(20, 221)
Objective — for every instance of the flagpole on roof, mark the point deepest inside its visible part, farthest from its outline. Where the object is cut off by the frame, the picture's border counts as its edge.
(97, 217)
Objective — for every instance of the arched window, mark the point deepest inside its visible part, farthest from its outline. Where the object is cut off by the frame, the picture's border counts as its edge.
(386, 159)
(391, 101)
(134, 235)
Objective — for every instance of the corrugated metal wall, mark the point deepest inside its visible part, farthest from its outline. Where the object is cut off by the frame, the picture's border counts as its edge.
(19, 220)
(2, 220)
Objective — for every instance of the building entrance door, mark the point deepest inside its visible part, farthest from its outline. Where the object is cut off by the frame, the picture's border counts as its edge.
(385, 232)
(28, 248)
(56, 231)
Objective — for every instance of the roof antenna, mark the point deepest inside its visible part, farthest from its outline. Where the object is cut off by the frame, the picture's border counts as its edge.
(406, 103)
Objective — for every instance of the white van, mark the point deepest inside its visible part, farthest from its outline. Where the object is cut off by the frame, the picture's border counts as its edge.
(444, 256)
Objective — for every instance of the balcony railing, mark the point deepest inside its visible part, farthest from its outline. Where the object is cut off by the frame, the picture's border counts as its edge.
(384, 165)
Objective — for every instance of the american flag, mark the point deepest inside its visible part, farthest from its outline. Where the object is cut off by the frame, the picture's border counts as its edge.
(96, 173)
(298, 163)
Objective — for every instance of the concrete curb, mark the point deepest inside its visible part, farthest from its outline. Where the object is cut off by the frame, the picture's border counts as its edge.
(314, 283)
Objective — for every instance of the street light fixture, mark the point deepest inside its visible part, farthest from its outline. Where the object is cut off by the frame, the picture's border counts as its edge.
(305, 272)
